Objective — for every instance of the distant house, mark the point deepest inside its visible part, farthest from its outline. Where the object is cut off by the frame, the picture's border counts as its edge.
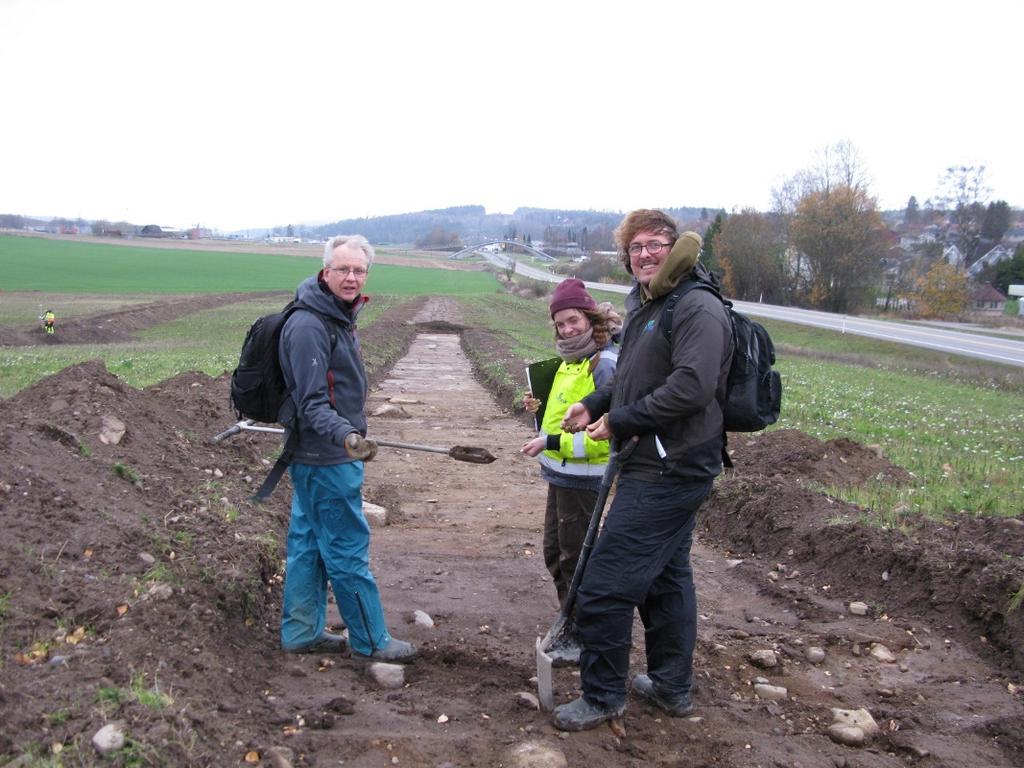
(992, 257)
(909, 242)
(987, 300)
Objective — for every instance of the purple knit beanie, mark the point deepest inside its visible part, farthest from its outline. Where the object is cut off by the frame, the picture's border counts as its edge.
(571, 294)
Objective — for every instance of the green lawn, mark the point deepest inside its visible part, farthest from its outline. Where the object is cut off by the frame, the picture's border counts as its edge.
(963, 443)
(68, 267)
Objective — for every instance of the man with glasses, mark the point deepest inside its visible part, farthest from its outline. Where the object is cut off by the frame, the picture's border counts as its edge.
(666, 394)
(328, 536)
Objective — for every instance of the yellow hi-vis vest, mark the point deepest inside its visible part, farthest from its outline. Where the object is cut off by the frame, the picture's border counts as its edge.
(577, 454)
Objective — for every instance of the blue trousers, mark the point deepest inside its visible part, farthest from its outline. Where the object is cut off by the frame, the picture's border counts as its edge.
(641, 561)
(329, 538)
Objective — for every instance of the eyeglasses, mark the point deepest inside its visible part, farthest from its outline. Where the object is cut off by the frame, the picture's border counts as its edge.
(356, 272)
(653, 248)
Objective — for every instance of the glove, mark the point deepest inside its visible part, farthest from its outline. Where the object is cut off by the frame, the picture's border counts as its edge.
(358, 447)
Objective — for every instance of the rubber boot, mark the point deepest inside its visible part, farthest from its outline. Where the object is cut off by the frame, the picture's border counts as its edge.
(677, 706)
(581, 715)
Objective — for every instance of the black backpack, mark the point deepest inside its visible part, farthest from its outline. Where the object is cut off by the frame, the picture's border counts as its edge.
(753, 393)
(258, 389)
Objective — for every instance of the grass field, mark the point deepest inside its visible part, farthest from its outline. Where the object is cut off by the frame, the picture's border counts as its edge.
(959, 428)
(67, 267)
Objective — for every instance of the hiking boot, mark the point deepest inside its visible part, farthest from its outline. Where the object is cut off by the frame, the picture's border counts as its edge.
(395, 650)
(564, 651)
(677, 706)
(581, 715)
(328, 642)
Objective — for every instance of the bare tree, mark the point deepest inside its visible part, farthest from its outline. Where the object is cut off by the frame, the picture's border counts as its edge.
(962, 194)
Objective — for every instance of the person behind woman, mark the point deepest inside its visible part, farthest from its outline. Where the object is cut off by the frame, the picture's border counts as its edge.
(571, 464)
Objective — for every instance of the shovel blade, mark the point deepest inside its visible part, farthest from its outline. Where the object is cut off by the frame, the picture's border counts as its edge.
(545, 693)
(471, 454)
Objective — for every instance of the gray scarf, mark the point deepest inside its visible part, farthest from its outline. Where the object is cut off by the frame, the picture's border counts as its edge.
(578, 347)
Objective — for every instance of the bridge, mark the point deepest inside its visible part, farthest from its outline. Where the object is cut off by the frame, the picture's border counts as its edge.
(470, 248)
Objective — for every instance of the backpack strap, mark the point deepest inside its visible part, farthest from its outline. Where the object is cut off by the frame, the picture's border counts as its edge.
(288, 451)
(681, 290)
(666, 328)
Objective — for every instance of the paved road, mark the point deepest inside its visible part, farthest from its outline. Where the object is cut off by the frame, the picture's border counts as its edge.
(976, 345)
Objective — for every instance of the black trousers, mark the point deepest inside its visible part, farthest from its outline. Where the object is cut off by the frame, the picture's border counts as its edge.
(641, 561)
(565, 526)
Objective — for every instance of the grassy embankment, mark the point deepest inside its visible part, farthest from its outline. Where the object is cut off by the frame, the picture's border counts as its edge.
(956, 424)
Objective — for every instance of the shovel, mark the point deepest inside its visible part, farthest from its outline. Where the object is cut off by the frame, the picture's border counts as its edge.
(560, 628)
(465, 453)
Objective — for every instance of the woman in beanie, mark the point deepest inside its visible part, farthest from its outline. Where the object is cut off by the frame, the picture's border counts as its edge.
(572, 464)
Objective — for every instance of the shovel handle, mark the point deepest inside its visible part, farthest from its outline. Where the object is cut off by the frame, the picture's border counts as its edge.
(615, 462)
(234, 429)
(409, 446)
(459, 452)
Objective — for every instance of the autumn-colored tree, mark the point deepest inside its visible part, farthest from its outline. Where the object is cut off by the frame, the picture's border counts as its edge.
(841, 232)
(943, 291)
(836, 237)
(750, 254)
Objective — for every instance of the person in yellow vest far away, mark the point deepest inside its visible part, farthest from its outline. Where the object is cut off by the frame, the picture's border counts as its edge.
(49, 318)
(572, 464)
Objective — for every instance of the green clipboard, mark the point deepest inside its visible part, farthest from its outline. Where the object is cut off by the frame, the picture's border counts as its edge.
(540, 377)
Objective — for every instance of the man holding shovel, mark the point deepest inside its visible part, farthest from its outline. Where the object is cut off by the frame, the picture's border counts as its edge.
(328, 536)
(666, 392)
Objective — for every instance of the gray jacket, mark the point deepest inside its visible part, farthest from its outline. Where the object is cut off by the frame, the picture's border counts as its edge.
(328, 386)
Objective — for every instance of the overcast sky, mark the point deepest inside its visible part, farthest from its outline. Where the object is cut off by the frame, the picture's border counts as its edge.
(245, 114)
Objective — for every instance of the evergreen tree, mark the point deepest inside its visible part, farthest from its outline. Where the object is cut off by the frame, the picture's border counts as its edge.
(913, 213)
(708, 252)
(1010, 271)
(996, 221)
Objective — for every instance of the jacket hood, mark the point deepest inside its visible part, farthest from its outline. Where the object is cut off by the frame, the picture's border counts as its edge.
(678, 264)
(315, 295)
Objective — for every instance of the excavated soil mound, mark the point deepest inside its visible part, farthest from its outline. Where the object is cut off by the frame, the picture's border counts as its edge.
(963, 572)
(786, 453)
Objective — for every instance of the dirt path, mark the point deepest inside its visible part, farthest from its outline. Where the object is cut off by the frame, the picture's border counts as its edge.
(464, 547)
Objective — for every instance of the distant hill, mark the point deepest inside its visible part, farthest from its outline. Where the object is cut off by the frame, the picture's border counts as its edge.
(471, 223)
